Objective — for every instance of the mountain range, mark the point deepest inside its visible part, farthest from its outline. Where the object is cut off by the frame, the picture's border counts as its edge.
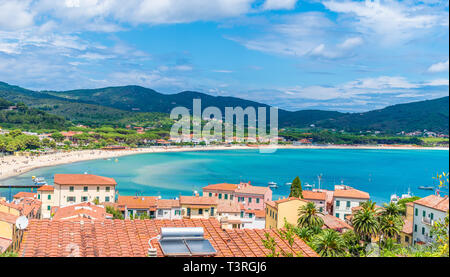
(113, 104)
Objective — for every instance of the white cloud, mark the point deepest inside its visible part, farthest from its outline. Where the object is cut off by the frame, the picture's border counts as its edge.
(222, 71)
(279, 4)
(351, 42)
(439, 67)
(15, 14)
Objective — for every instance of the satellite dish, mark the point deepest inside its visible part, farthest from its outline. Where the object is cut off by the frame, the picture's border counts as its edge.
(22, 223)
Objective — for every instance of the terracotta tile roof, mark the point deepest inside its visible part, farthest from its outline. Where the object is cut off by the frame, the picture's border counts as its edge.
(222, 186)
(434, 202)
(80, 211)
(10, 218)
(228, 206)
(26, 206)
(83, 179)
(332, 222)
(23, 194)
(407, 227)
(313, 195)
(198, 200)
(46, 188)
(249, 189)
(257, 213)
(138, 202)
(4, 244)
(167, 203)
(129, 238)
(351, 193)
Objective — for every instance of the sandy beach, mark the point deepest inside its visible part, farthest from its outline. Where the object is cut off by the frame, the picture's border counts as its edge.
(15, 165)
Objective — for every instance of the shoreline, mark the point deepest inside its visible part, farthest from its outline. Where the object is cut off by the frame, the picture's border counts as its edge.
(11, 166)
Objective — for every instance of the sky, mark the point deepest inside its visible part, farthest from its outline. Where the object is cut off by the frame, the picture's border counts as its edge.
(348, 56)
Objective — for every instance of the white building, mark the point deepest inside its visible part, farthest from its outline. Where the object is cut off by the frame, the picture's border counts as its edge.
(427, 211)
(168, 209)
(254, 219)
(319, 198)
(345, 198)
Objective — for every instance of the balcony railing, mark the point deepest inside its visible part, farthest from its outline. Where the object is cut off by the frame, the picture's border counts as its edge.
(427, 221)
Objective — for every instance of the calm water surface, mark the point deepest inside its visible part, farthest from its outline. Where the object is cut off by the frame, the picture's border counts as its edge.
(379, 172)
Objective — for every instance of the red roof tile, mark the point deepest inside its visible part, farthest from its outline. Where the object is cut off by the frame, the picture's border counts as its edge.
(84, 210)
(83, 179)
(332, 222)
(198, 200)
(10, 218)
(138, 202)
(249, 189)
(351, 193)
(167, 203)
(222, 186)
(4, 244)
(129, 238)
(23, 194)
(228, 206)
(313, 195)
(435, 202)
(46, 188)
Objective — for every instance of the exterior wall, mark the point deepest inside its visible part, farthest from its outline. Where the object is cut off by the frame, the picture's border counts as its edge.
(255, 223)
(138, 212)
(320, 204)
(220, 194)
(405, 239)
(174, 213)
(422, 224)
(271, 217)
(195, 211)
(62, 194)
(9, 210)
(344, 209)
(6, 230)
(47, 199)
(285, 210)
(225, 218)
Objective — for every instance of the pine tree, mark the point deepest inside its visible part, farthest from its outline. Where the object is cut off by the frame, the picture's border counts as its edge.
(296, 188)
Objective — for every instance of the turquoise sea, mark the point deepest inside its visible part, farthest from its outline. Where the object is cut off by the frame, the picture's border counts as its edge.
(379, 172)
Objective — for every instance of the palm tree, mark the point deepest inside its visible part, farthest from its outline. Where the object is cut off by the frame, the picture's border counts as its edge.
(309, 216)
(390, 225)
(329, 244)
(365, 224)
(369, 205)
(304, 233)
(392, 209)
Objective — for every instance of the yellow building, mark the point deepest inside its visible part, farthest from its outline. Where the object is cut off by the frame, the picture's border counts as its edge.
(7, 208)
(406, 235)
(278, 211)
(46, 195)
(198, 206)
(10, 236)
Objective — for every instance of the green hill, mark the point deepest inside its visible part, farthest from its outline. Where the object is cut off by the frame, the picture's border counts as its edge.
(129, 104)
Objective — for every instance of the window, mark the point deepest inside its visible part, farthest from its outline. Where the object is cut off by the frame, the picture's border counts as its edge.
(212, 211)
(415, 228)
(406, 239)
(220, 195)
(49, 197)
(85, 188)
(210, 194)
(48, 208)
(348, 204)
(249, 200)
(242, 214)
(160, 212)
(338, 203)
(231, 197)
(71, 189)
(39, 196)
(417, 212)
(250, 215)
(320, 209)
(423, 230)
(98, 189)
(225, 196)
(71, 199)
(84, 199)
(424, 213)
(431, 216)
(188, 211)
(108, 189)
(107, 199)
(337, 215)
(257, 200)
(177, 212)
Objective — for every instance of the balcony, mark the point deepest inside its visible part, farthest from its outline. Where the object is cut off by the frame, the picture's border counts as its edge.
(427, 221)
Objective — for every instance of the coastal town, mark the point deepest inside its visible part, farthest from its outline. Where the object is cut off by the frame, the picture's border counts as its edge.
(83, 215)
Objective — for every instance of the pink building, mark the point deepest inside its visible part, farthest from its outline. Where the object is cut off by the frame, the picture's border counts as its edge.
(251, 197)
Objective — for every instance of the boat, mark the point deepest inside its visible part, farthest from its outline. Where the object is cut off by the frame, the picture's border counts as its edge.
(39, 181)
(426, 188)
(288, 184)
(273, 185)
(395, 198)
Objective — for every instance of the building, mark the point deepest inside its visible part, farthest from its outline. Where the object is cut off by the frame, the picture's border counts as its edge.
(345, 198)
(168, 209)
(46, 195)
(278, 211)
(116, 238)
(25, 206)
(254, 219)
(229, 214)
(406, 235)
(252, 197)
(24, 194)
(81, 211)
(427, 211)
(8, 232)
(77, 188)
(137, 206)
(319, 198)
(334, 223)
(198, 206)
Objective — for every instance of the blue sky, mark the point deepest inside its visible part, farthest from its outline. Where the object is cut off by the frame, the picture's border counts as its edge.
(334, 55)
